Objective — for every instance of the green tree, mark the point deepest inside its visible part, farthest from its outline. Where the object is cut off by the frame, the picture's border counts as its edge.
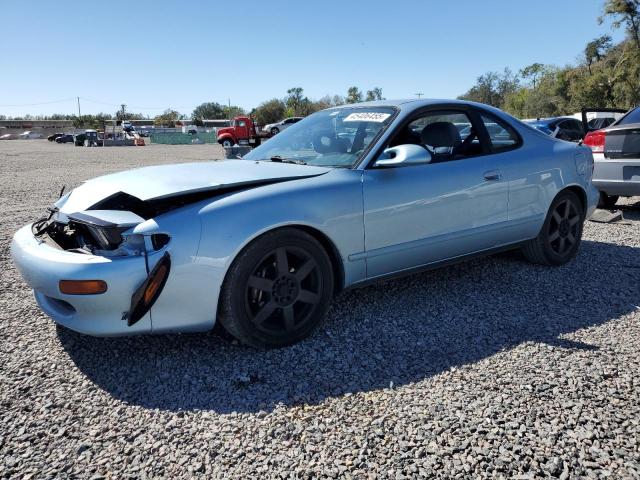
(492, 88)
(596, 49)
(532, 73)
(208, 111)
(120, 115)
(167, 119)
(374, 94)
(297, 103)
(270, 111)
(624, 13)
(354, 95)
(233, 111)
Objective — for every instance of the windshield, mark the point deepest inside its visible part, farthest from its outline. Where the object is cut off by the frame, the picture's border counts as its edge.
(330, 138)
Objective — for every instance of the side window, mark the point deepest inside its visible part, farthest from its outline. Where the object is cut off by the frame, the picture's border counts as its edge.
(242, 123)
(448, 135)
(502, 136)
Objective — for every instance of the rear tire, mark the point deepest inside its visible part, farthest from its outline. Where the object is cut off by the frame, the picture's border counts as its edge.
(561, 234)
(277, 290)
(607, 201)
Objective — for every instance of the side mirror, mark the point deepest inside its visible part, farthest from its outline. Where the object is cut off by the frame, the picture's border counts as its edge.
(403, 155)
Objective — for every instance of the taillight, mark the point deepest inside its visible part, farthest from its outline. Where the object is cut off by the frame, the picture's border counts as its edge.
(595, 141)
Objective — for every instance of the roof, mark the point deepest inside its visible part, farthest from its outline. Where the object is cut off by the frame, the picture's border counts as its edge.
(548, 119)
(415, 102)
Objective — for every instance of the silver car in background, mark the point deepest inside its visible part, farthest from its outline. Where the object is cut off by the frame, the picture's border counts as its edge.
(347, 196)
(616, 152)
(276, 128)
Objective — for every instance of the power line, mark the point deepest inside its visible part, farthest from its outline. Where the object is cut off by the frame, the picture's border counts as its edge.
(134, 107)
(91, 100)
(36, 104)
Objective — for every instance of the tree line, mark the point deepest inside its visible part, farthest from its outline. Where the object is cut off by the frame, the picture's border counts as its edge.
(607, 75)
(294, 104)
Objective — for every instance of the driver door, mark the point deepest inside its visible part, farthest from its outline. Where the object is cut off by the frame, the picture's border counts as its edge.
(422, 214)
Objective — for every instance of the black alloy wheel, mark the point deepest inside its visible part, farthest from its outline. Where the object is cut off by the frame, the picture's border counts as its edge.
(277, 290)
(561, 234)
(283, 290)
(564, 227)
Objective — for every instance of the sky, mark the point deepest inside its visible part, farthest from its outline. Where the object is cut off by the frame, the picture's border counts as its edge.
(154, 55)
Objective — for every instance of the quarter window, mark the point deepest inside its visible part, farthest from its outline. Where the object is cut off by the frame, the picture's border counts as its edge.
(502, 136)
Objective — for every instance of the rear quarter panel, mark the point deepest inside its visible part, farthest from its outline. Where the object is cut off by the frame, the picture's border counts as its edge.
(538, 171)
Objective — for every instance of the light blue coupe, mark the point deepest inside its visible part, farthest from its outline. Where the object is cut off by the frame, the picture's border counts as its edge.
(348, 195)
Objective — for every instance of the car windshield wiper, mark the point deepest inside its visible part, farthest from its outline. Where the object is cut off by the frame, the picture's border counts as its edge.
(278, 158)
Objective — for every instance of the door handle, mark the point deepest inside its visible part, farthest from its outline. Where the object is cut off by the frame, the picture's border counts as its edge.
(492, 175)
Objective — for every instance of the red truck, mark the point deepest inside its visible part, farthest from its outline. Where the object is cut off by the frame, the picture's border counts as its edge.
(242, 132)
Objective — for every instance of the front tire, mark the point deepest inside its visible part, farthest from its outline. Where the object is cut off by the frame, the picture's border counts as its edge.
(277, 290)
(226, 143)
(607, 201)
(561, 234)
(275, 131)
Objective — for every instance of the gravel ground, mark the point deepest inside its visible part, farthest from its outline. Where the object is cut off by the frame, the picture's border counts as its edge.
(493, 368)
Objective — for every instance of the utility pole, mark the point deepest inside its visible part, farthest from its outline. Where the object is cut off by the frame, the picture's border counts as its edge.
(78, 108)
(419, 94)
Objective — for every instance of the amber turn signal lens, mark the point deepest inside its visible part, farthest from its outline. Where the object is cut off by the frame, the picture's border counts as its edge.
(155, 284)
(82, 287)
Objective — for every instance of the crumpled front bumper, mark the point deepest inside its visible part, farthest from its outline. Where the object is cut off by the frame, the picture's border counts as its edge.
(43, 266)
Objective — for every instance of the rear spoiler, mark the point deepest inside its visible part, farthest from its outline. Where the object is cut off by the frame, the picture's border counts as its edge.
(585, 121)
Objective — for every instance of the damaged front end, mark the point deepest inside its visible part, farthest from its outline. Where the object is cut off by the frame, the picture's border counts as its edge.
(109, 234)
(103, 232)
(83, 233)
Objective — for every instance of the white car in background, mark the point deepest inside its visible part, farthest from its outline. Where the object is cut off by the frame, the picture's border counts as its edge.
(276, 128)
(29, 135)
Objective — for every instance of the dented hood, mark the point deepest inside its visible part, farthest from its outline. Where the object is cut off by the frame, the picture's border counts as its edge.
(166, 181)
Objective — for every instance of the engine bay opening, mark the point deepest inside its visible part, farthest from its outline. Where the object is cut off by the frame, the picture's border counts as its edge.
(80, 237)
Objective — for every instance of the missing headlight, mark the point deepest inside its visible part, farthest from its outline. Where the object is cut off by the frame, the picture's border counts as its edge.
(105, 235)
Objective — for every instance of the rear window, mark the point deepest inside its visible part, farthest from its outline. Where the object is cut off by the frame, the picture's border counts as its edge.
(631, 117)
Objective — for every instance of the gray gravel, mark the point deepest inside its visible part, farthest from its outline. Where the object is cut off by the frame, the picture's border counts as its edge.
(493, 368)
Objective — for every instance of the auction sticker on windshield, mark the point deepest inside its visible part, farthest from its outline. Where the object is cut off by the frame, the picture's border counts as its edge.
(367, 117)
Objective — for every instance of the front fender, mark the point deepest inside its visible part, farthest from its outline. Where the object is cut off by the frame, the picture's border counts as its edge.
(330, 204)
(184, 302)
